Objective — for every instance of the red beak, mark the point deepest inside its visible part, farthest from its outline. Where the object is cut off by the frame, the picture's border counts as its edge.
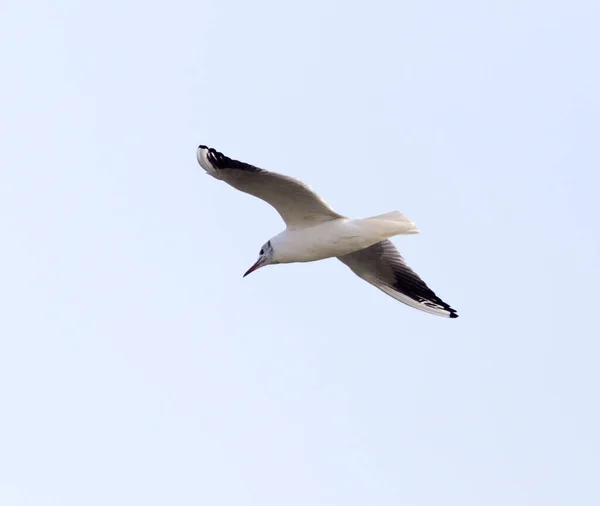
(253, 268)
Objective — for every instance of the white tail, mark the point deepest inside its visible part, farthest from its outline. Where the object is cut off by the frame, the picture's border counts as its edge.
(398, 221)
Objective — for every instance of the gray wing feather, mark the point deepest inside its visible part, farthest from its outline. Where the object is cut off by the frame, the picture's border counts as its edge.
(383, 267)
(295, 201)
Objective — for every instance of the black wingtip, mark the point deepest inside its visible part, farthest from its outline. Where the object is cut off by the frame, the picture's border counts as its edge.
(219, 161)
(454, 314)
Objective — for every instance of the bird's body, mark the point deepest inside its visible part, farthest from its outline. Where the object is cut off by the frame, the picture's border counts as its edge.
(314, 231)
(335, 238)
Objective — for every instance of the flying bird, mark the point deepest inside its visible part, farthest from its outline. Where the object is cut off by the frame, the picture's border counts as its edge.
(314, 231)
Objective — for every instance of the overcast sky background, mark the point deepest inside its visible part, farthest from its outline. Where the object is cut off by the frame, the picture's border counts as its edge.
(137, 367)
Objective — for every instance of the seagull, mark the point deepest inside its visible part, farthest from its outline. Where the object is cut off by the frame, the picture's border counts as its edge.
(314, 231)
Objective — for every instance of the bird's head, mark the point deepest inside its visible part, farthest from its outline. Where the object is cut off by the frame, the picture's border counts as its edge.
(265, 257)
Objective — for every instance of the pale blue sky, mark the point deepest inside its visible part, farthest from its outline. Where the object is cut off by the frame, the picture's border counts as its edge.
(137, 367)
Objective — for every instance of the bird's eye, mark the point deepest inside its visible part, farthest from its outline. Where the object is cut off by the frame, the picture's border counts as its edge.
(262, 252)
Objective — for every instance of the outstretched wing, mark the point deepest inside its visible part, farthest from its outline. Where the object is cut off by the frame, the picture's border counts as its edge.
(383, 267)
(296, 202)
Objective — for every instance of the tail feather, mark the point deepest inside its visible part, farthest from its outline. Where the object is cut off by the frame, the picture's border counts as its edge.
(405, 226)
